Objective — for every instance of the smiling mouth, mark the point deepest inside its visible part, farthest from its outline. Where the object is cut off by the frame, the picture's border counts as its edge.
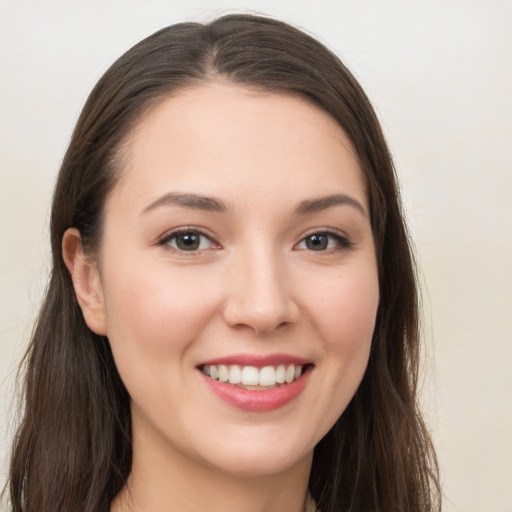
(253, 378)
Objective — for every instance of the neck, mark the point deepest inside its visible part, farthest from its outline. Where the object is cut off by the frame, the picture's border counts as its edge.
(166, 480)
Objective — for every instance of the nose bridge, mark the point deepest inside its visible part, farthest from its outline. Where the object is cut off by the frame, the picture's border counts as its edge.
(261, 296)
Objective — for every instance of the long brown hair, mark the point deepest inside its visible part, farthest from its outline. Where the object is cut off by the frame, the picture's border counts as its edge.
(73, 450)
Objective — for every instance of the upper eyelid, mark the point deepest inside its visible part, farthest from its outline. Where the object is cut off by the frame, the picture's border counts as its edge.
(326, 231)
(183, 230)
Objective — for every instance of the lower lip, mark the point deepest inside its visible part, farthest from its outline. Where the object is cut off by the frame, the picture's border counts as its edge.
(263, 400)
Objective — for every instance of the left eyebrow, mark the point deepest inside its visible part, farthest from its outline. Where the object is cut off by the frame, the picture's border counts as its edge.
(322, 203)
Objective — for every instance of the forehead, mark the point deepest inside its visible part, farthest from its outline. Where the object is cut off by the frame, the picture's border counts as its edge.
(233, 141)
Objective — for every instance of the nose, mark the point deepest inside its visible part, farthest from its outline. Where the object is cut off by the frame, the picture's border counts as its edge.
(260, 295)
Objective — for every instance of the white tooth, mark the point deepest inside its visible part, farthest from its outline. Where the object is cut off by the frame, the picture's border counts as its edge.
(206, 369)
(223, 373)
(280, 374)
(298, 371)
(250, 376)
(267, 376)
(235, 374)
(214, 371)
(290, 373)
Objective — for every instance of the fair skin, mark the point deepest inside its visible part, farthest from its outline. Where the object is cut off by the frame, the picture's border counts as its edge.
(278, 263)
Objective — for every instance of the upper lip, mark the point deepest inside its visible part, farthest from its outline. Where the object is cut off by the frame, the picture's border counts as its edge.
(259, 361)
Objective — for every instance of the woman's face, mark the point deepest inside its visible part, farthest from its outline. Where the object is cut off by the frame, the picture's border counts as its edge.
(237, 245)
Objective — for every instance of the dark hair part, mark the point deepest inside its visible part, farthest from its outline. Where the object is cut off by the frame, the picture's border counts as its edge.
(72, 451)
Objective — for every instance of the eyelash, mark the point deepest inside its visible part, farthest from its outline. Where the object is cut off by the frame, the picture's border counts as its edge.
(166, 239)
(342, 242)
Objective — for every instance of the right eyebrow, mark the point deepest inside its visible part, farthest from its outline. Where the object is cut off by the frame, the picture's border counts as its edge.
(194, 201)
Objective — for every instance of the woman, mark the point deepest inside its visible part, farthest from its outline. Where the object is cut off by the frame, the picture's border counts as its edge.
(231, 321)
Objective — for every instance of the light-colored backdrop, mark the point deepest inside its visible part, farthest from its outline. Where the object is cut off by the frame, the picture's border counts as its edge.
(440, 75)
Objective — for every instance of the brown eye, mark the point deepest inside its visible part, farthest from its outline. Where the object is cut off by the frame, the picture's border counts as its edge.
(324, 241)
(317, 242)
(189, 241)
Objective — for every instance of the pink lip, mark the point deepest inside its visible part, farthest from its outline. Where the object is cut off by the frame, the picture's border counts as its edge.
(257, 361)
(253, 400)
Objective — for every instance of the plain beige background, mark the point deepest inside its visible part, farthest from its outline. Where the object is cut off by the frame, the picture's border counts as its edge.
(440, 75)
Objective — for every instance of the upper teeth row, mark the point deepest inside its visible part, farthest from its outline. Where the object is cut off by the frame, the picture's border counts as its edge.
(252, 376)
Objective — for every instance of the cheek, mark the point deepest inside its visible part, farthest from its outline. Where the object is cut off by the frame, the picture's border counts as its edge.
(345, 312)
(156, 311)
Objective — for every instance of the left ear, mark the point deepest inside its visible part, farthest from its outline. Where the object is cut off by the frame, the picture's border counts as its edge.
(86, 281)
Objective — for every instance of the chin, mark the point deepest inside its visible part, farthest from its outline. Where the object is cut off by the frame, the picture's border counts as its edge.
(259, 456)
(260, 464)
